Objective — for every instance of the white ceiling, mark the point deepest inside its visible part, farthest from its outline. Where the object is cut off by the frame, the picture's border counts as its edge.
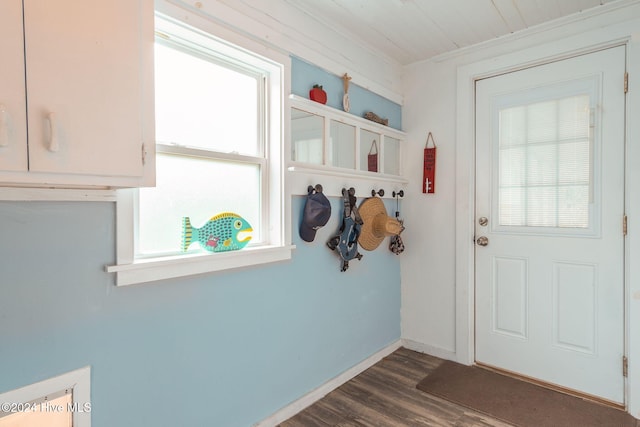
(409, 31)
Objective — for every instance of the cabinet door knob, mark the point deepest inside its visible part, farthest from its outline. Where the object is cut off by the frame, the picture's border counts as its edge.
(54, 145)
(4, 126)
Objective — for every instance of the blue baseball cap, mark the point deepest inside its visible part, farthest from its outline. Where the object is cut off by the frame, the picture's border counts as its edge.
(316, 213)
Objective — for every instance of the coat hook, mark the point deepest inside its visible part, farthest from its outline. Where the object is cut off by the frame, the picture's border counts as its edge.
(351, 191)
(379, 193)
(399, 193)
(317, 188)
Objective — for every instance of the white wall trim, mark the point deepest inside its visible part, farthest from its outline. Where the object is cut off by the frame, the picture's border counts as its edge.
(318, 393)
(632, 206)
(600, 36)
(428, 349)
(56, 194)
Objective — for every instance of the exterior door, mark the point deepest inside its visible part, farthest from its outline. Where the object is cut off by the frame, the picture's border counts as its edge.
(549, 223)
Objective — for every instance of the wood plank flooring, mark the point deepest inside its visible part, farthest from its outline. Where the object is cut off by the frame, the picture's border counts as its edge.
(385, 395)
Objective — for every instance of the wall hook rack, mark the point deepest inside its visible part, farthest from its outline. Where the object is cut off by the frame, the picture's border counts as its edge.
(397, 195)
(317, 187)
(379, 193)
(351, 191)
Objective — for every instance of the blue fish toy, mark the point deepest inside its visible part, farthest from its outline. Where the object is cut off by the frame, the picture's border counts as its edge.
(224, 232)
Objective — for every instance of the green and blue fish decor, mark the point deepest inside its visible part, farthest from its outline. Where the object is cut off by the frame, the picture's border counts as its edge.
(224, 232)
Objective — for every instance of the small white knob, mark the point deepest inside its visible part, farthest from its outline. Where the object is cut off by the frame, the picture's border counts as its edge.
(53, 145)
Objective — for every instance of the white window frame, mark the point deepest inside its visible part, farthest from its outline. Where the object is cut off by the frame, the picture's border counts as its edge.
(276, 207)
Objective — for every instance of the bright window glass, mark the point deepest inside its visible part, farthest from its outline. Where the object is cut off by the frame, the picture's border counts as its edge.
(220, 122)
(544, 164)
(210, 146)
(203, 102)
(197, 188)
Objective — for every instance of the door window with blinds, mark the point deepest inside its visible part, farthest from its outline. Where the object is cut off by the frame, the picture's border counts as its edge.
(545, 147)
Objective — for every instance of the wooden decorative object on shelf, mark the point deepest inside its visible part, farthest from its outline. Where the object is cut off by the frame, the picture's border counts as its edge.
(375, 118)
(345, 99)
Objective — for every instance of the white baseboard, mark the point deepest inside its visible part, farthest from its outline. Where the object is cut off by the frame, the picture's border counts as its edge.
(429, 349)
(318, 393)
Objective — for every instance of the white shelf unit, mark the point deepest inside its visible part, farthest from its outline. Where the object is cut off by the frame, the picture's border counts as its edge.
(319, 152)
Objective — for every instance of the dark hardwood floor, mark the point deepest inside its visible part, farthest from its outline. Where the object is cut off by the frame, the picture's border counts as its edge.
(385, 395)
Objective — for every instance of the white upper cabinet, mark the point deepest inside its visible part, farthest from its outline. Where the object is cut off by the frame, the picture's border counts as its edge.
(13, 108)
(88, 93)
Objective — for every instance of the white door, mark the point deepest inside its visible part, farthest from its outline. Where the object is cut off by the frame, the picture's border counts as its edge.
(549, 223)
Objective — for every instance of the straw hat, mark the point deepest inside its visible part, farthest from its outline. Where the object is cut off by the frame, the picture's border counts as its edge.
(377, 224)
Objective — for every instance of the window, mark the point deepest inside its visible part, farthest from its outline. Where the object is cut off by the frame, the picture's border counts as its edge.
(219, 118)
(547, 175)
(544, 163)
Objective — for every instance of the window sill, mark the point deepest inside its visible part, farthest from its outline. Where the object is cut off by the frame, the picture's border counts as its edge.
(154, 269)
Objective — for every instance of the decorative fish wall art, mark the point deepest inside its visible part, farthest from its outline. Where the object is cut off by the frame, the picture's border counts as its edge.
(224, 232)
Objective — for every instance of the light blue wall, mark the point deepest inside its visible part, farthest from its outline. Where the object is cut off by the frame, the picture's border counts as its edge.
(305, 75)
(217, 350)
(224, 349)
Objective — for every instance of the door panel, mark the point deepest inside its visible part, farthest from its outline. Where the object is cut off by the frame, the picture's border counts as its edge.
(550, 180)
(509, 291)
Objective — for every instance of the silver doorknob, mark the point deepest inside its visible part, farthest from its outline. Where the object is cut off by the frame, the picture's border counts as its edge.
(483, 221)
(482, 241)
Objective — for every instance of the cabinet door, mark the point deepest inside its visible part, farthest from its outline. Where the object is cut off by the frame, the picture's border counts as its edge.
(13, 122)
(84, 62)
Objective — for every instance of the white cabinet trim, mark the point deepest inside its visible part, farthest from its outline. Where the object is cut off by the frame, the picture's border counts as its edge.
(24, 194)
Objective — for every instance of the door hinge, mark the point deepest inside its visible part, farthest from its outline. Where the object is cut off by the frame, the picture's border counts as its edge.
(144, 154)
(624, 225)
(625, 366)
(626, 82)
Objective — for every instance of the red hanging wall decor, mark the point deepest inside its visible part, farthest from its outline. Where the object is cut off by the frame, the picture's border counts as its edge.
(372, 157)
(429, 170)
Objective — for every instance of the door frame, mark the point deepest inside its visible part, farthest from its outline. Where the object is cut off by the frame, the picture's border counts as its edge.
(467, 75)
